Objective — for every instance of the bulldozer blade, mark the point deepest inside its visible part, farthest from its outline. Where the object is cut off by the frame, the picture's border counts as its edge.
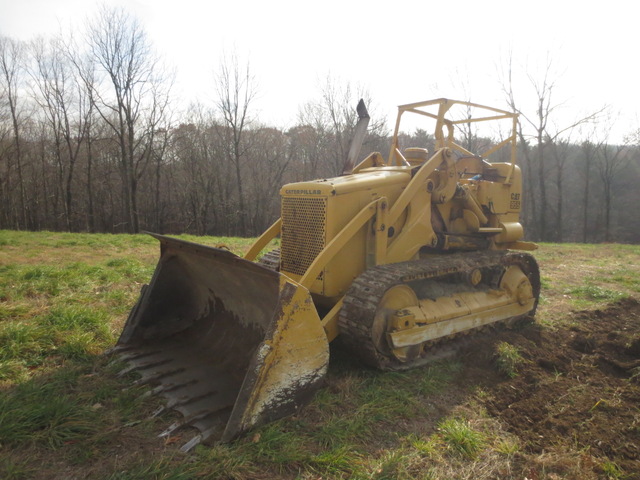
(228, 343)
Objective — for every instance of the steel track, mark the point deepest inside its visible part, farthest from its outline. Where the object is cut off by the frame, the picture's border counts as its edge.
(365, 294)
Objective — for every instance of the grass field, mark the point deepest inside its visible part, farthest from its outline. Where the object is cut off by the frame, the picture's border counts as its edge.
(64, 413)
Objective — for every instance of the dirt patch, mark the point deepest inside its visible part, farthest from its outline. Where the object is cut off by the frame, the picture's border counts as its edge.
(578, 387)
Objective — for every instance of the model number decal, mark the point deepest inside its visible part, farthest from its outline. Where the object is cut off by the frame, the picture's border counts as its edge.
(514, 204)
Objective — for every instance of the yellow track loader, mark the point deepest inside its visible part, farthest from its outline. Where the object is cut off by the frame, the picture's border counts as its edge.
(398, 257)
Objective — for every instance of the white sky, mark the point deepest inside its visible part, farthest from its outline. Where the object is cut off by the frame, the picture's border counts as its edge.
(401, 51)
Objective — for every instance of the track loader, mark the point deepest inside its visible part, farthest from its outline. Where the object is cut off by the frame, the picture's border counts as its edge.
(398, 257)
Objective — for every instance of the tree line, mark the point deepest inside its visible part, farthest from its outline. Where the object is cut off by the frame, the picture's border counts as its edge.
(90, 140)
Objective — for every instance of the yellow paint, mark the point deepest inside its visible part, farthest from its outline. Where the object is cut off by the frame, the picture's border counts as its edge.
(334, 229)
(293, 357)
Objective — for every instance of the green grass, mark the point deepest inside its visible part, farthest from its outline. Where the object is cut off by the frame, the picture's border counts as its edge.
(63, 301)
(461, 438)
(612, 470)
(508, 359)
(579, 276)
(46, 413)
(62, 333)
(17, 469)
(595, 292)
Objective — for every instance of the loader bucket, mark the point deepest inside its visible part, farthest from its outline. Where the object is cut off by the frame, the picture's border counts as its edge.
(229, 344)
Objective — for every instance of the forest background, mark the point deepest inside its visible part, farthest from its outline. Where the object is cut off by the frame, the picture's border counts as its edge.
(92, 139)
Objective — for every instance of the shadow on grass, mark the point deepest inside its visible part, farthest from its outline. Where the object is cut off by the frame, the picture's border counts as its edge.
(80, 420)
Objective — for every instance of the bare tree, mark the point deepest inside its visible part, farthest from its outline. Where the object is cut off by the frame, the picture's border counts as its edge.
(11, 58)
(311, 143)
(63, 98)
(611, 161)
(333, 117)
(270, 156)
(136, 102)
(196, 179)
(236, 91)
(342, 118)
(589, 151)
(560, 154)
(544, 134)
(85, 76)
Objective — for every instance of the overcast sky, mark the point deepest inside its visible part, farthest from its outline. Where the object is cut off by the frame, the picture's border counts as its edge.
(400, 51)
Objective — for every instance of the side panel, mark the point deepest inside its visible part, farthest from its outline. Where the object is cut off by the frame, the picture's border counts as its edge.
(314, 213)
(505, 202)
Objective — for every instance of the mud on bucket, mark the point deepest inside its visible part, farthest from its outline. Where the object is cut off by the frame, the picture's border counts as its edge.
(228, 343)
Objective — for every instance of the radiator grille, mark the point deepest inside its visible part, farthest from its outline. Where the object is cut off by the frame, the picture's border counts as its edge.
(303, 232)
